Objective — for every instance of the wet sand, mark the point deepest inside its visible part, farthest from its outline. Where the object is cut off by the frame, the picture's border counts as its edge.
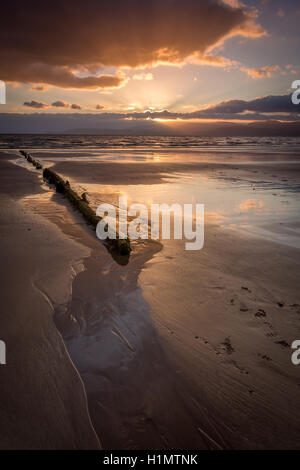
(227, 316)
(183, 349)
(130, 169)
(43, 401)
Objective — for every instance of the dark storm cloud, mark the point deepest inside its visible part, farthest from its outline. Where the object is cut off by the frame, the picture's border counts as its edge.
(266, 104)
(56, 104)
(35, 104)
(235, 109)
(63, 104)
(60, 104)
(46, 42)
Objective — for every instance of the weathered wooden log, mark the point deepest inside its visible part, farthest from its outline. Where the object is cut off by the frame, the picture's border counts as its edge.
(121, 246)
(31, 160)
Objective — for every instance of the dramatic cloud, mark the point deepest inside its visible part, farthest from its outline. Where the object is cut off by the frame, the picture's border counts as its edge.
(75, 106)
(35, 104)
(99, 107)
(65, 43)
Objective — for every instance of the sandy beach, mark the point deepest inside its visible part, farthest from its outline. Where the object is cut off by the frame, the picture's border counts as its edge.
(176, 349)
(149, 229)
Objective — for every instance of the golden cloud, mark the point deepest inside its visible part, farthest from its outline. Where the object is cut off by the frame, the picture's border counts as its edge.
(48, 43)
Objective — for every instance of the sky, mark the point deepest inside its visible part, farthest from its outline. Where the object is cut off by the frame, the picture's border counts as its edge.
(177, 63)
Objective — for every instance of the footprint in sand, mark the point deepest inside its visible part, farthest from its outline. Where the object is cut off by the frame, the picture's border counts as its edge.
(202, 339)
(271, 335)
(227, 346)
(265, 357)
(273, 331)
(260, 313)
(246, 289)
(283, 343)
(243, 308)
(295, 307)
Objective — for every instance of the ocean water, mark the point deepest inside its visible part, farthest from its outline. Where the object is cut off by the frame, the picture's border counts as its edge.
(95, 143)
